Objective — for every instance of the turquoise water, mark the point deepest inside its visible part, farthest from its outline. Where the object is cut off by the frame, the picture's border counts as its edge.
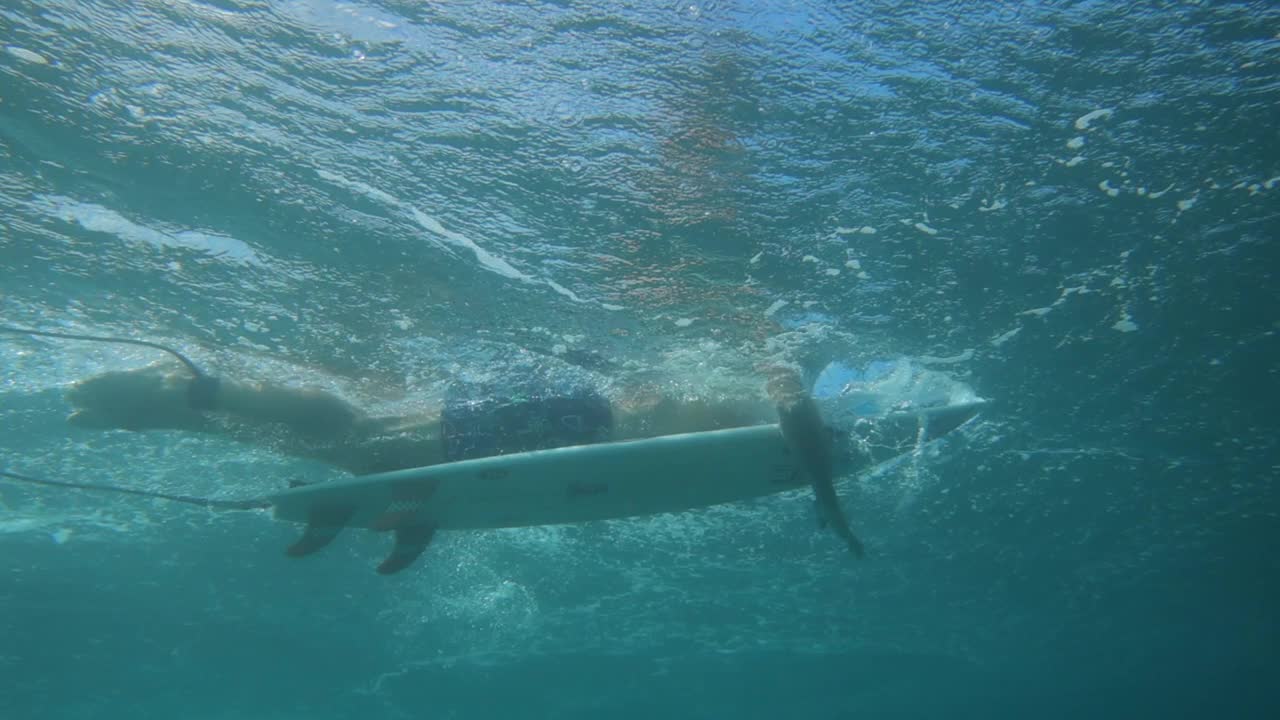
(1069, 207)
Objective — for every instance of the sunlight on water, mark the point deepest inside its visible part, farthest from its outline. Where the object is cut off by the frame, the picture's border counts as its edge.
(1063, 211)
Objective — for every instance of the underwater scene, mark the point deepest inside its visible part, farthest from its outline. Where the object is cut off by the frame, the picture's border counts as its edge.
(690, 359)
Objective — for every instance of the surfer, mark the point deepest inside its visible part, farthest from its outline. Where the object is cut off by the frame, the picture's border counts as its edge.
(473, 421)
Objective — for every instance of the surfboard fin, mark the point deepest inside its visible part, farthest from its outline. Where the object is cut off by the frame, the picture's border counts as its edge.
(411, 540)
(323, 525)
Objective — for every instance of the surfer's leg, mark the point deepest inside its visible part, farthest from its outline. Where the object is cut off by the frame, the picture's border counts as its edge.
(297, 421)
(160, 397)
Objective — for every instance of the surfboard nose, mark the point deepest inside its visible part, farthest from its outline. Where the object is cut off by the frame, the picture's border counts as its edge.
(940, 421)
(884, 438)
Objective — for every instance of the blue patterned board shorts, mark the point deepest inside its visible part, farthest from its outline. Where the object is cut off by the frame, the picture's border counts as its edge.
(481, 421)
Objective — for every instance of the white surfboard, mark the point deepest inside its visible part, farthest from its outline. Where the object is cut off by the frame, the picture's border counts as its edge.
(562, 485)
(581, 483)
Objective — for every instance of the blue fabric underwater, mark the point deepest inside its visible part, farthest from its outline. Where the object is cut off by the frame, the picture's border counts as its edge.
(1067, 208)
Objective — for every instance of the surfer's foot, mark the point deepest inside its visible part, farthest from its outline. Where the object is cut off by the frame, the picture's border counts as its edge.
(149, 398)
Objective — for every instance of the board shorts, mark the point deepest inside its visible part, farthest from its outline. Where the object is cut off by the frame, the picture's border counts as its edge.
(482, 421)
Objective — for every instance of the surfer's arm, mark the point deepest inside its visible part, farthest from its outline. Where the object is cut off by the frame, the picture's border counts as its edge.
(809, 437)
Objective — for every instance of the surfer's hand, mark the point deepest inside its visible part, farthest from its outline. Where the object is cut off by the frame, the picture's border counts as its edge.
(149, 398)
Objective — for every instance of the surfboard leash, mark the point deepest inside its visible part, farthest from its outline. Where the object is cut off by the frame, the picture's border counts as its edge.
(324, 523)
(200, 393)
(211, 503)
(195, 369)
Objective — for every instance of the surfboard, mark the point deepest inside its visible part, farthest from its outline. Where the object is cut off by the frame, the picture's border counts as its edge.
(575, 484)
(562, 485)
(671, 473)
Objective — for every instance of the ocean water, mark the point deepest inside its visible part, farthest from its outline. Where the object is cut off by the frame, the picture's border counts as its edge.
(1069, 207)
